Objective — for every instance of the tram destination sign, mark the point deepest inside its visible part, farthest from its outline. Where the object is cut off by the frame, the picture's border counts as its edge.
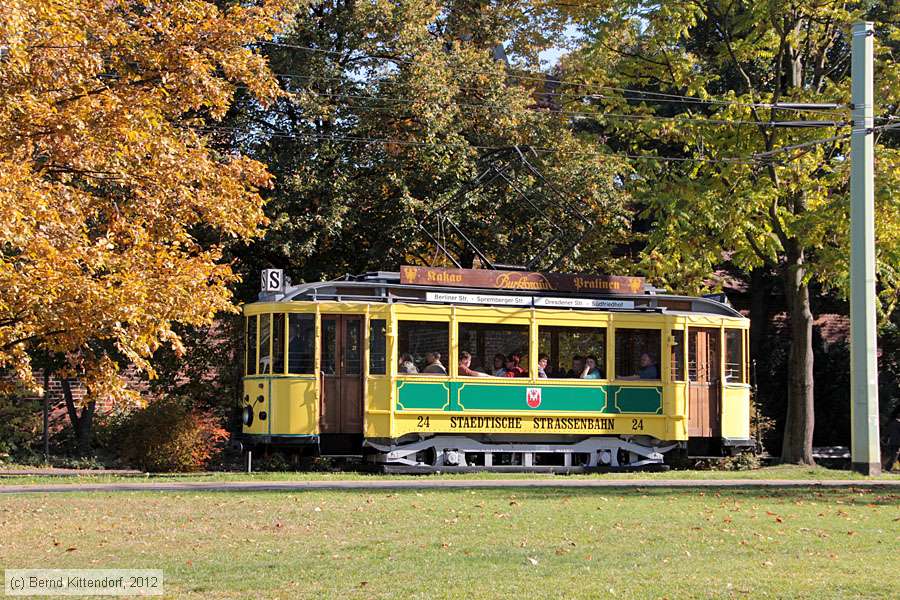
(521, 280)
(497, 300)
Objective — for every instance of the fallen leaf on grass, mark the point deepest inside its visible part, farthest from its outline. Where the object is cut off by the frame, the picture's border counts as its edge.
(71, 549)
(533, 561)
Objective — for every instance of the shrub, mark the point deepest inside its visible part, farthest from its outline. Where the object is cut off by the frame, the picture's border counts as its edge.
(21, 424)
(745, 461)
(170, 435)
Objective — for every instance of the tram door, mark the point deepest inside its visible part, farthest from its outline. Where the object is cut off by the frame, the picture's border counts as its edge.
(341, 402)
(704, 372)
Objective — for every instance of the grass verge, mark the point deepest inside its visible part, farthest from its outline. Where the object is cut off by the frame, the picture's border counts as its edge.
(472, 543)
(792, 472)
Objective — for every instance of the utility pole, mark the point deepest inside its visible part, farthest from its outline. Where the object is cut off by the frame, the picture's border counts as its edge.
(865, 442)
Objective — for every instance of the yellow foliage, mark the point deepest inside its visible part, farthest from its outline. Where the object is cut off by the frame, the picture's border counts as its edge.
(104, 183)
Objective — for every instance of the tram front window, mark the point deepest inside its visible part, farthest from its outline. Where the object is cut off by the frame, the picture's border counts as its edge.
(423, 347)
(265, 359)
(301, 344)
(637, 353)
(498, 350)
(250, 345)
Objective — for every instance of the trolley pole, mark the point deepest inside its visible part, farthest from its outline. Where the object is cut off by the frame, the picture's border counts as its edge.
(865, 443)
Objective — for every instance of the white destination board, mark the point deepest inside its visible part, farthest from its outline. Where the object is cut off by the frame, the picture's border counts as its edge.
(582, 303)
(478, 299)
(456, 298)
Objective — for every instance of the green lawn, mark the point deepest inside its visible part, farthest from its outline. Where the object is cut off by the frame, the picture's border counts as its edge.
(472, 543)
(778, 472)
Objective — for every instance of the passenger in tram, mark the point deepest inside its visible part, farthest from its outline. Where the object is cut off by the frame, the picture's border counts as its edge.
(577, 367)
(543, 361)
(433, 364)
(465, 366)
(590, 369)
(512, 366)
(499, 365)
(407, 366)
(648, 369)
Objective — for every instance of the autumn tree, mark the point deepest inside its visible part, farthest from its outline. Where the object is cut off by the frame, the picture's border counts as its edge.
(113, 205)
(393, 109)
(701, 83)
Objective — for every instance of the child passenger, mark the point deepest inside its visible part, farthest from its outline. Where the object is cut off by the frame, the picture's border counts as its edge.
(465, 366)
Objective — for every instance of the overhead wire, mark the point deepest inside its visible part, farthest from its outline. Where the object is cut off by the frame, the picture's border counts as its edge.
(585, 114)
(651, 96)
(752, 159)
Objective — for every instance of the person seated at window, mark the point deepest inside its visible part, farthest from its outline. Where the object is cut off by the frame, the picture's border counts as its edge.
(433, 364)
(648, 369)
(499, 365)
(523, 364)
(465, 366)
(543, 361)
(512, 366)
(577, 367)
(590, 369)
(407, 366)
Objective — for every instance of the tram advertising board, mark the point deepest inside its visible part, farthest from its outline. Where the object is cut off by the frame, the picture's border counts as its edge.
(521, 280)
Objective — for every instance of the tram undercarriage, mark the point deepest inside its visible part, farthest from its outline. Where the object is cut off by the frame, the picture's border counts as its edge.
(451, 453)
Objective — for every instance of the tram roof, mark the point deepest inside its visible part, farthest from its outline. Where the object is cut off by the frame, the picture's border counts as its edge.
(385, 286)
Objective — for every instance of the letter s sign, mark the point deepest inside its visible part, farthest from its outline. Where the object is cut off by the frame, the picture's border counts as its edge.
(272, 280)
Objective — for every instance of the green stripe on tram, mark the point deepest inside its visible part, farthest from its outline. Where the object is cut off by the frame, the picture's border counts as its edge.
(464, 396)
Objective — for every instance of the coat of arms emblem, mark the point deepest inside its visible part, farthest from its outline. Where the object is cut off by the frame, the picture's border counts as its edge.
(533, 397)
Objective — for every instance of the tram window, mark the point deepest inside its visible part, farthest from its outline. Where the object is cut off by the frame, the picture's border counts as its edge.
(329, 346)
(677, 355)
(265, 358)
(301, 344)
(487, 341)
(352, 348)
(377, 347)
(427, 345)
(278, 343)
(568, 347)
(250, 346)
(734, 356)
(637, 353)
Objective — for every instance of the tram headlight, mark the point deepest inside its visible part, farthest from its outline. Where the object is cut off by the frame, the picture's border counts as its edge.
(247, 416)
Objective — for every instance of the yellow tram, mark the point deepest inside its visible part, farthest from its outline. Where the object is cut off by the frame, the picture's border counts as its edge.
(459, 369)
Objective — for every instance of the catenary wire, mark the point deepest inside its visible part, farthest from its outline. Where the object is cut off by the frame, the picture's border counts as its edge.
(659, 96)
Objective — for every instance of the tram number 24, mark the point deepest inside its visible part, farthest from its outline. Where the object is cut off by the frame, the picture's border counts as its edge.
(425, 423)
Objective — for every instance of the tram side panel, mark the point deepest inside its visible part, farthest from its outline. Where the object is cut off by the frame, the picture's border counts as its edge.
(288, 405)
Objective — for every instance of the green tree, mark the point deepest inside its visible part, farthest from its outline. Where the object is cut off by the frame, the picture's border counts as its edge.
(393, 109)
(786, 212)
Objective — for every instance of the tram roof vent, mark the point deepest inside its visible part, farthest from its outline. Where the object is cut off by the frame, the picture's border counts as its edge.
(379, 277)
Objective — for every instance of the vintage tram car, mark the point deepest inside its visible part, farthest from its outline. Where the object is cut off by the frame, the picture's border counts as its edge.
(369, 366)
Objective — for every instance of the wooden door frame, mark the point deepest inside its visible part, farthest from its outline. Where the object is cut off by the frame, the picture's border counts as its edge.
(327, 405)
(713, 386)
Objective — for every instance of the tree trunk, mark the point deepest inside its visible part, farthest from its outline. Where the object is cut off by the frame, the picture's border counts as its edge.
(760, 290)
(83, 423)
(798, 430)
